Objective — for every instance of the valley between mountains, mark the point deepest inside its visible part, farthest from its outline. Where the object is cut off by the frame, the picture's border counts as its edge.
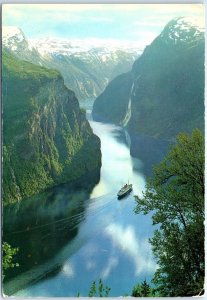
(79, 121)
(159, 97)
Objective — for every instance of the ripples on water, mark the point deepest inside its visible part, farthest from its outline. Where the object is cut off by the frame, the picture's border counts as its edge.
(94, 236)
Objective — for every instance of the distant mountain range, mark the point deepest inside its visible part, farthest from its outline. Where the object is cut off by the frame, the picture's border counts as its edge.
(46, 137)
(163, 94)
(87, 67)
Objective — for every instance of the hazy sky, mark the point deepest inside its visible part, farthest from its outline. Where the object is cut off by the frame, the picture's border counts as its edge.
(132, 22)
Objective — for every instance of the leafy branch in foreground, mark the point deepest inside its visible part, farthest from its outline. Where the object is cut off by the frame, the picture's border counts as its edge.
(175, 195)
(8, 256)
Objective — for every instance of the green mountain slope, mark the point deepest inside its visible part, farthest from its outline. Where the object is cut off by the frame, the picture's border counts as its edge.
(112, 104)
(46, 137)
(85, 69)
(167, 86)
(88, 73)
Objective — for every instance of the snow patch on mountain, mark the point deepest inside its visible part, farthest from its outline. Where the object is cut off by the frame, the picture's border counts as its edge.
(78, 47)
(86, 65)
(12, 35)
(186, 23)
(14, 40)
(183, 29)
(11, 31)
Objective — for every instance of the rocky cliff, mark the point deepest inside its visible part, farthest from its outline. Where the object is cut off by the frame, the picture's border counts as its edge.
(113, 104)
(164, 92)
(85, 66)
(46, 137)
(89, 71)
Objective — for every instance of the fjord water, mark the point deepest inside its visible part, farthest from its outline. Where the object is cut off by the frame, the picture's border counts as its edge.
(79, 236)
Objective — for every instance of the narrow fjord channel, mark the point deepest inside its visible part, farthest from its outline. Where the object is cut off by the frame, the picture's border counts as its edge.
(80, 236)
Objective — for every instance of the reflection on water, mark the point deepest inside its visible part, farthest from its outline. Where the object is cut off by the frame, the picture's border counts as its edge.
(150, 150)
(95, 237)
(118, 167)
(40, 227)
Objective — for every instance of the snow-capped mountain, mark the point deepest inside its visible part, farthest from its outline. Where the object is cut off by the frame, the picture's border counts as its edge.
(12, 37)
(183, 30)
(14, 40)
(87, 66)
(164, 93)
(76, 46)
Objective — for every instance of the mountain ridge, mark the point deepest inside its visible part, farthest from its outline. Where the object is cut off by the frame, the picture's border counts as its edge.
(86, 68)
(167, 85)
(46, 137)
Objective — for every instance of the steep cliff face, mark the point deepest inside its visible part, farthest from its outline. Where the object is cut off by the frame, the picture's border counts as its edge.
(14, 41)
(86, 67)
(46, 137)
(168, 94)
(112, 104)
(167, 87)
(89, 72)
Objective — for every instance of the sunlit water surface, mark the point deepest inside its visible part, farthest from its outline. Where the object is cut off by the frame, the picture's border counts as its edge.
(111, 241)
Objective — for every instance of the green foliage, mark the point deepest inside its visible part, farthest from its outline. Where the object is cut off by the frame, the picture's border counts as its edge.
(170, 97)
(46, 138)
(143, 290)
(83, 110)
(8, 256)
(100, 290)
(23, 69)
(92, 291)
(166, 88)
(175, 195)
(112, 104)
(140, 290)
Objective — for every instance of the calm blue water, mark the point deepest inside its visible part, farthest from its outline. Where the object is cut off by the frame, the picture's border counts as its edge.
(109, 242)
